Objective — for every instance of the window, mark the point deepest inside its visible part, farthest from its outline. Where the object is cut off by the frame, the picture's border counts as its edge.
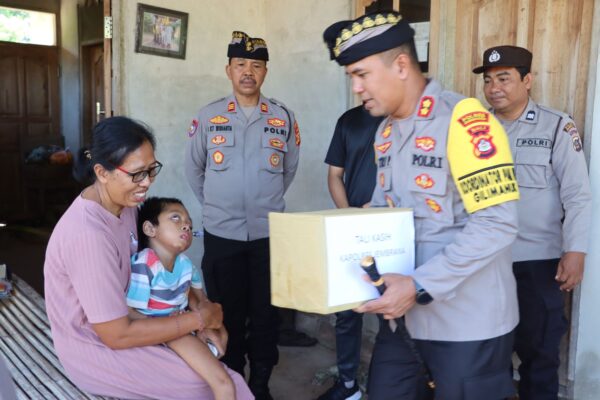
(25, 26)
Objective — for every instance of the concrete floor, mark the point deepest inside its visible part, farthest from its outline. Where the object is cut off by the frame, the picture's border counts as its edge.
(302, 373)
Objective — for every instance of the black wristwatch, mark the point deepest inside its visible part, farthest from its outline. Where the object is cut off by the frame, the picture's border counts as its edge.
(423, 298)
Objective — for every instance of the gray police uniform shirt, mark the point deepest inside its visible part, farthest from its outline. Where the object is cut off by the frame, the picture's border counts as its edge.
(553, 182)
(239, 168)
(463, 260)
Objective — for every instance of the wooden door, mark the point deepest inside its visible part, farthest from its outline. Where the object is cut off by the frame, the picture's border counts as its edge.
(93, 88)
(29, 116)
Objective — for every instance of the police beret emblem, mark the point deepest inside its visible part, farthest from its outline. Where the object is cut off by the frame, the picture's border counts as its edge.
(494, 57)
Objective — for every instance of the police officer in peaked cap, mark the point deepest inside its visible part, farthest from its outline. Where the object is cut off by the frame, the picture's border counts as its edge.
(554, 213)
(448, 159)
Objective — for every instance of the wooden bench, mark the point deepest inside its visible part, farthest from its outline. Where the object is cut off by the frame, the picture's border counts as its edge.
(26, 346)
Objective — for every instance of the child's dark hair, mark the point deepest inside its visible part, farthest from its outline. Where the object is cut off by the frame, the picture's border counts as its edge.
(149, 211)
(113, 139)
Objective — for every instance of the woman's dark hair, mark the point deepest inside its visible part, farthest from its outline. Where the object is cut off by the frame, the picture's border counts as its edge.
(149, 211)
(113, 139)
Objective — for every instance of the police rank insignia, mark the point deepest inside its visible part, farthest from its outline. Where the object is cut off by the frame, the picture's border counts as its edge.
(218, 140)
(382, 148)
(387, 132)
(193, 128)
(435, 207)
(425, 107)
(264, 108)
(297, 133)
(231, 107)
(389, 201)
(276, 122)
(276, 143)
(483, 141)
(275, 159)
(219, 120)
(425, 143)
(530, 115)
(425, 181)
(218, 157)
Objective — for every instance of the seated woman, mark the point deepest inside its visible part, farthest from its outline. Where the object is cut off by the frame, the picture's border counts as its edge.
(87, 271)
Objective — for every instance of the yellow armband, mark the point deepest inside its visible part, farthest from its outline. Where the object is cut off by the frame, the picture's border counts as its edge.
(479, 156)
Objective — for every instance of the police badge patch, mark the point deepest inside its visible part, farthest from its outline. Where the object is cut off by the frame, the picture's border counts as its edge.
(483, 141)
(275, 159)
(425, 143)
(425, 181)
(193, 128)
(576, 142)
(435, 207)
(218, 157)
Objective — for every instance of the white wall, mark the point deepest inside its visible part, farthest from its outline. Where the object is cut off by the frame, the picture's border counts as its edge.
(587, 371)
(166, 92)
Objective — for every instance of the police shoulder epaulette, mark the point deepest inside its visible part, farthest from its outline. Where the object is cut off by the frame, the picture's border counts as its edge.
(553, 111)
(278, 103)
(215, 102)
(450, 98)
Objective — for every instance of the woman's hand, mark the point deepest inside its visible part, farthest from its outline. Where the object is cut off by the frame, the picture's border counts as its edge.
(210, 315)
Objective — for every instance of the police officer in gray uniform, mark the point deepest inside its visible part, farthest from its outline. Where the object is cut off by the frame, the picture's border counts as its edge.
(240, 159)
(448, 159)
(554, 214)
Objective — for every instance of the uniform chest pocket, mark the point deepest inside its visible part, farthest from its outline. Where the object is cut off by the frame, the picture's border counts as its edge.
(220, 150)
(532, 168)
(428, 189)
(273, 152)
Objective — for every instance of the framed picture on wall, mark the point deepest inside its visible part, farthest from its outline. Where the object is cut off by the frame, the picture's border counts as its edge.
(161, 31)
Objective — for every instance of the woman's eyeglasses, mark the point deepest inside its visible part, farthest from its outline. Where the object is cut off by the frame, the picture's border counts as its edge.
(139, 176)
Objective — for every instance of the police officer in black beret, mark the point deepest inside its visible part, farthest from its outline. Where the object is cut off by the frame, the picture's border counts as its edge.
(448, 159)
(241, 157)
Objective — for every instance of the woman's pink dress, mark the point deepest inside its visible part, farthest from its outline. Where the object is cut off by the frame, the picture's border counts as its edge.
(86, 274)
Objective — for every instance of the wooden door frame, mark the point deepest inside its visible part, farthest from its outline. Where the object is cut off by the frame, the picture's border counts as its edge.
(108, 61)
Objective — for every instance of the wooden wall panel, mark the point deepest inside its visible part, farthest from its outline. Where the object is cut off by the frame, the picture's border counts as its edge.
(558, 32)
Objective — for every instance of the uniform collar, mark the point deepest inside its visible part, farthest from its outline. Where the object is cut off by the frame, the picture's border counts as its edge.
(232, 106)
(531, 113)
(427, 106)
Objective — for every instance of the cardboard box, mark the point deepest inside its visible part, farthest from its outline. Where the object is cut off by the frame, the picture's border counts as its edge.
(315, 256)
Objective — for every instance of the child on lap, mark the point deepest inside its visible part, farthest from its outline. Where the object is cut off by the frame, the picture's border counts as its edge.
(161, 279)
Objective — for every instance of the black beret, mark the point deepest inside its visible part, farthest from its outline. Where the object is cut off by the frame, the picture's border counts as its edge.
(505, 56)
(350, 41)
(243, 46)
